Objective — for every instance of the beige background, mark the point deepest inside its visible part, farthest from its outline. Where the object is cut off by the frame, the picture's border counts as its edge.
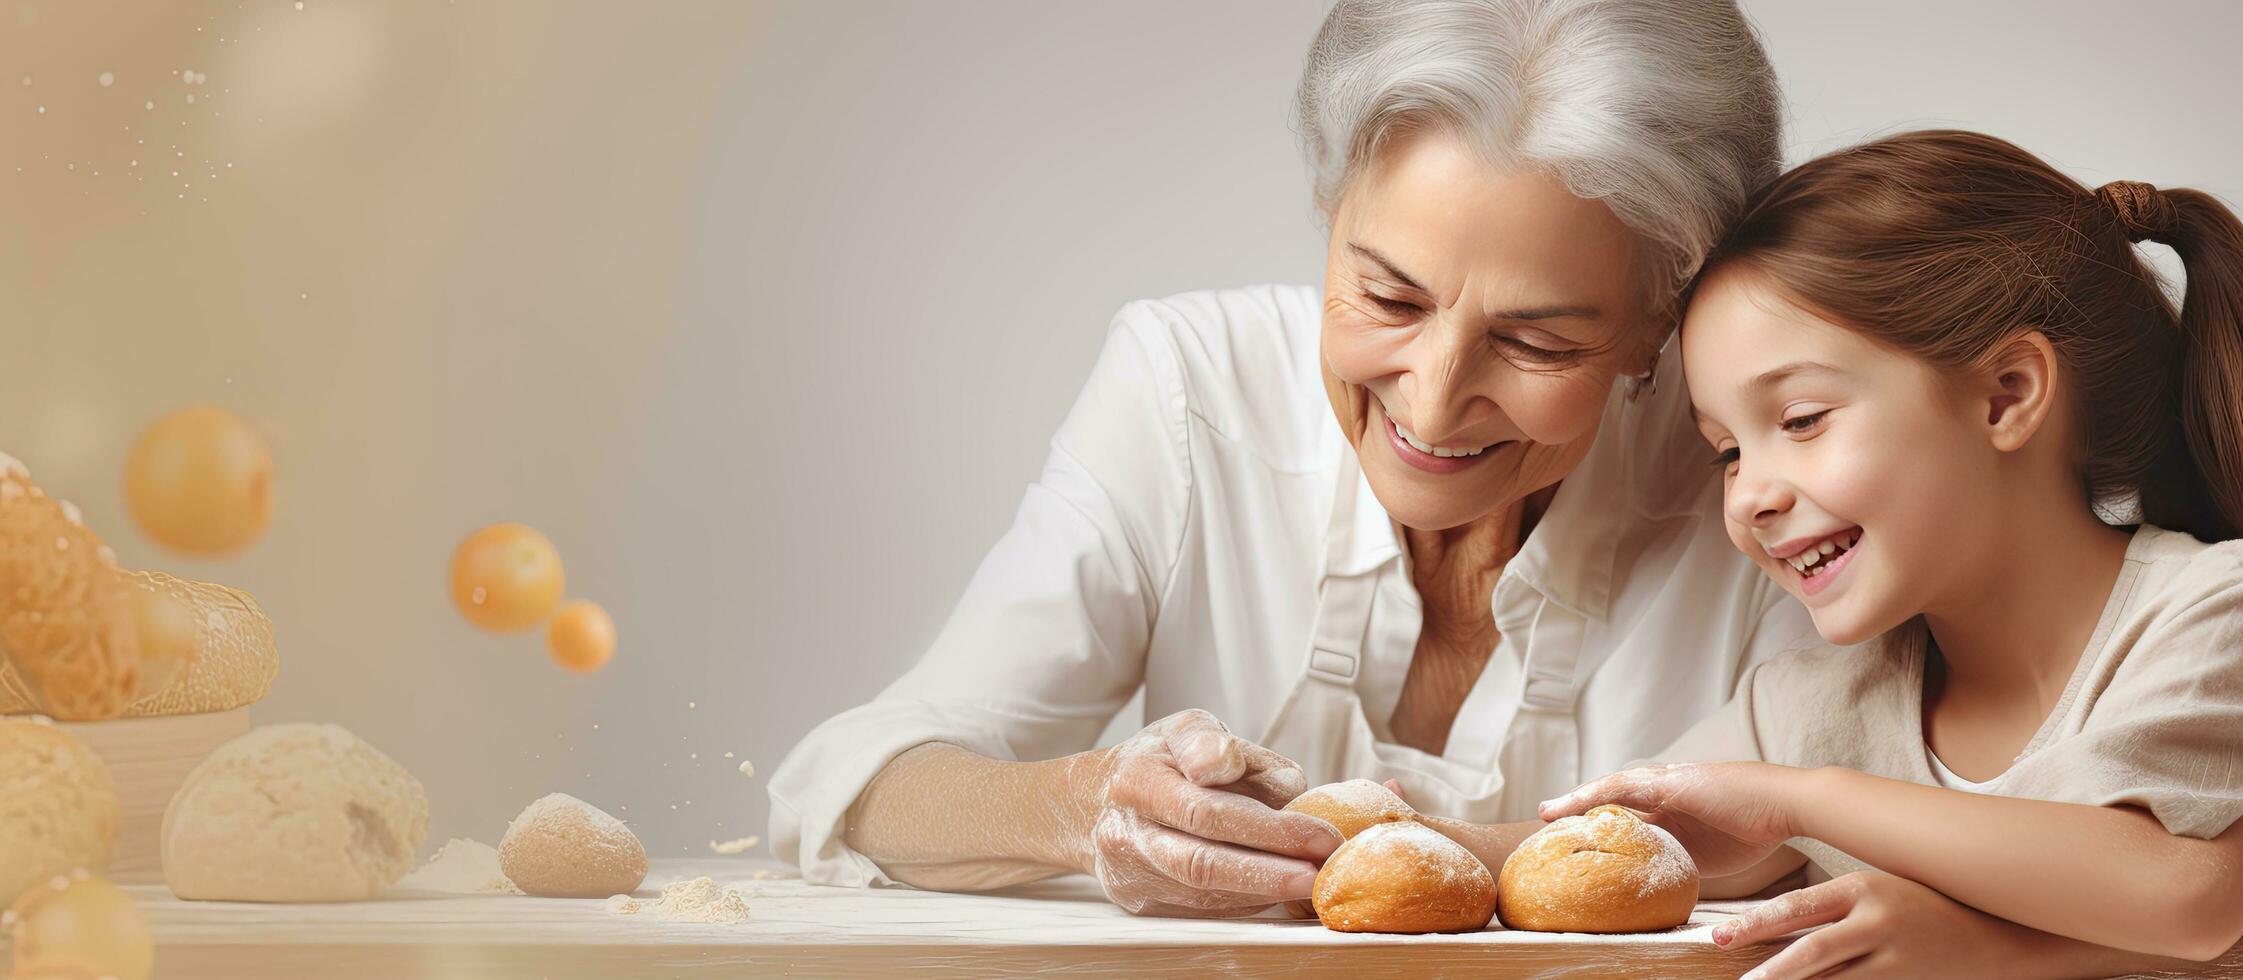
(762, 311)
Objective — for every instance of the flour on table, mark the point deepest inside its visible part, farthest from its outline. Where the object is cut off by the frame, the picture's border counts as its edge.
(463, 867)
(686, 900)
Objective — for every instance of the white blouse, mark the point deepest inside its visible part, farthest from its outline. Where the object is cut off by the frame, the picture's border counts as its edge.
(1178, 538)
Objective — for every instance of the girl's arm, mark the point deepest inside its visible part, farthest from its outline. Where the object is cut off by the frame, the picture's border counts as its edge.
(2111, 876)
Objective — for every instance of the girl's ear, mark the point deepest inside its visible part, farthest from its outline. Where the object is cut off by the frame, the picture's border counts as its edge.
(2018, 388)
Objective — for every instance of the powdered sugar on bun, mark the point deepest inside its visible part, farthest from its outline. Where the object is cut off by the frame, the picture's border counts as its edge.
(1403, 876)
(1353, 805)
(1603, 871)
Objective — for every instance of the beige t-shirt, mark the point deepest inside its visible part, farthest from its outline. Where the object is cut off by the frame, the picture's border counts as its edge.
(2152, 717)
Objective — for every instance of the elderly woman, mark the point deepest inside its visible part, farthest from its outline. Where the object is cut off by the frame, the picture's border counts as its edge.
(1502, 571)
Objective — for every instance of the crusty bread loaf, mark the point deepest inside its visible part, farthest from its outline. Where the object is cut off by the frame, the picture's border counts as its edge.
(1403, 876)
(83, 640)
(1352, 806)
(1603, 871)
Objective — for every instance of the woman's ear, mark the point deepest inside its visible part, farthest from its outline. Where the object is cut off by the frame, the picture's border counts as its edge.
(2018, 389)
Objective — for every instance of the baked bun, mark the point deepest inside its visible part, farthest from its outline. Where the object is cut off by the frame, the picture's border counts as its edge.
(1352, 805)
(1603, 871)
(1403, 876)
(58, 807)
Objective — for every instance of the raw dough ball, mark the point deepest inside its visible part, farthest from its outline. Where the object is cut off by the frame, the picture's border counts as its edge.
(58, 808)
(293, 813)
(1403, 877)
(563, 847)
(1352, 805)
(1603, 871)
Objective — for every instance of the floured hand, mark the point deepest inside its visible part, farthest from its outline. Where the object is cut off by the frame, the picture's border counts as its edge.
(1187, 822)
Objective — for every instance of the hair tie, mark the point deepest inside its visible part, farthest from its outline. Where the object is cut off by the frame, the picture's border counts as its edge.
(2141, 209)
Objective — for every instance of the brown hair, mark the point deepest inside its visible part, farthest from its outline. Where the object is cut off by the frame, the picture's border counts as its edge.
(1943, 244)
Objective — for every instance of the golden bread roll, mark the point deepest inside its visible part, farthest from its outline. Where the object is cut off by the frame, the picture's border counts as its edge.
(58, 807)
(1603, 871)
(1403, 876)
(1352, 805)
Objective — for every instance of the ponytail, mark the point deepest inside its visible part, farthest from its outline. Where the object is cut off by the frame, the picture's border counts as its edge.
(2209, 240)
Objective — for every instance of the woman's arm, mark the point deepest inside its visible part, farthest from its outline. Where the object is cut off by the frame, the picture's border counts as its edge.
(1178, 820)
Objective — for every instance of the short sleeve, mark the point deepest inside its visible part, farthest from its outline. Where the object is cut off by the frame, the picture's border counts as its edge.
(2166, 733)
(1050, 638)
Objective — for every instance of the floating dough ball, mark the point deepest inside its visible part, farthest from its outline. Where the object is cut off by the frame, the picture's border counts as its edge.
(506, 578)
(67, 636)
(581, 637)
(1352, 805)
(1403, 877)
(200, 481)
(1603, 871)
(80, 924)
(563, 847)
(58, 808)
(293, 813)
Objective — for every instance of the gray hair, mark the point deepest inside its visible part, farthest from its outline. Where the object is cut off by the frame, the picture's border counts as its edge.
(1665, 110)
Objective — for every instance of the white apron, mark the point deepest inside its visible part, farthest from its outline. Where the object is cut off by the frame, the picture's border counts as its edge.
(1321, 725)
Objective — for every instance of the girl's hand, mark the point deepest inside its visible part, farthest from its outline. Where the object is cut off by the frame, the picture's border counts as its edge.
(1885, 927)
(1729, 815)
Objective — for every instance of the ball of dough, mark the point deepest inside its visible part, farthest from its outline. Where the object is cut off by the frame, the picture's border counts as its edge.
(1603, 871)
(58, 807)
(293, 813)
(1352, 805)
(1403, 876)
(563, 847)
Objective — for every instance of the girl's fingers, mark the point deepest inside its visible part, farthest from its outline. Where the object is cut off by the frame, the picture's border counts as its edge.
(1824, 951)
(1788, 913)
(1394, 786)
(1636, 789)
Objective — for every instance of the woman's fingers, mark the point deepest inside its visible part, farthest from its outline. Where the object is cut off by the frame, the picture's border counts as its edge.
(1788, 913)
(1202, 865)
(1216, 815)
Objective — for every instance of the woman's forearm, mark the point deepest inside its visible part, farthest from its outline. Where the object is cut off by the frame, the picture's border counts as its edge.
(2104, 875)
(942, 817)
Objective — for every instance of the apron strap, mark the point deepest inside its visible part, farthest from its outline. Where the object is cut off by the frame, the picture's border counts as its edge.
(1343, 619)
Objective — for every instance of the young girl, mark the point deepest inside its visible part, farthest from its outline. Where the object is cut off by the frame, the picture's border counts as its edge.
(1963, 425)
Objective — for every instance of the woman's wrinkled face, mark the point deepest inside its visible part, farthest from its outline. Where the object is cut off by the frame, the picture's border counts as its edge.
(1845, 461)
(1474, 323)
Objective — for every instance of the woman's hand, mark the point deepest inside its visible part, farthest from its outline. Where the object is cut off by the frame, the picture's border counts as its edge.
(1729, 815)
(1185, 823)
(1884, 927)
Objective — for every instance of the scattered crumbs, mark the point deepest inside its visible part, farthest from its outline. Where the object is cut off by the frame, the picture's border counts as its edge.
(737, 845)
(747, 768)
(728, 755)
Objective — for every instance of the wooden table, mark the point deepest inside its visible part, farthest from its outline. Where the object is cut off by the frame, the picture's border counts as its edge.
(796, 929)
